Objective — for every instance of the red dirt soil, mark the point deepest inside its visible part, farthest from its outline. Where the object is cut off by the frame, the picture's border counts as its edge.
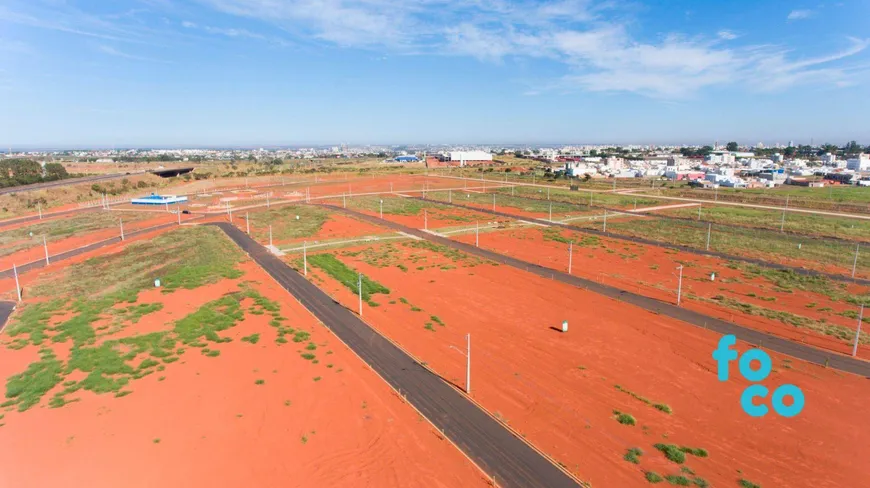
(216, 427)
(651, 271)
(559, 391)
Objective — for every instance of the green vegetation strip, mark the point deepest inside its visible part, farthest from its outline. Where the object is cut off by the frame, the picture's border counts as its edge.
(347, 276)
(658, 406)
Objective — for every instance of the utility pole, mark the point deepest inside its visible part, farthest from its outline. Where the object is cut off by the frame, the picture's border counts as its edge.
(247, 223)
(121, 222)
(551, 211)
(39, 208)
(344, 200)
(359, 289)
(782, 222)
(680, 285)
(305, 257)
(570, 256)
(493, 202)
(45, 246)
(17, 285)
(857, 333)
(449, 196)
(709, 231)
(605, 220)
(476, 234)
(548, 193)
(270, 236)
(468, 364)
(855, 263)
(178, 213)
(425, 219)
(382, 208)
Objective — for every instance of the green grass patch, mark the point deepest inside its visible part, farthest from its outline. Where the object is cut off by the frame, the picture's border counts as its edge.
(677, 480)
(347, 276)
(653, 477)
(743, 483)
(253, 338)
(658, 406)
(624, 418)
(633, 455)
(27, 388)
(672, 452)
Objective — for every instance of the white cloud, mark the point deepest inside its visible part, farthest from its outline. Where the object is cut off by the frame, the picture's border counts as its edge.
(800, 14)
(591, 40)
(112, 51)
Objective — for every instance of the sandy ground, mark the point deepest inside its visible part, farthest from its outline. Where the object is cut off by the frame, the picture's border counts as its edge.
(559, 390)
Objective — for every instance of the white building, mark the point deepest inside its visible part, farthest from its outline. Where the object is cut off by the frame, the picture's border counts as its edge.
(777, 158)
(469, 156)
(829, 159)
(859, 163)
(723, 158)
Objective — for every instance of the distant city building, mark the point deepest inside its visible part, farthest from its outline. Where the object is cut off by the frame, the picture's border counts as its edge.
(469, 157)
(859, 163)
(829, 159)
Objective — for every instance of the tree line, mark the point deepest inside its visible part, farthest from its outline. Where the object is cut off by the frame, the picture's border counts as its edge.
(16, 172)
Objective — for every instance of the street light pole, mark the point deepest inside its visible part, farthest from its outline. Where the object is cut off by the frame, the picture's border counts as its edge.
(359, 289)
(570, 255)
(857, 333)
(425, 219)
(247, 223)
(121, 222)
(855, 263)
(45, 246)
(17, 285)
(477, 234)
(680, 285)
(605, 220)
(270, 236)
(468, 364)
(709, 231)
(305, 257)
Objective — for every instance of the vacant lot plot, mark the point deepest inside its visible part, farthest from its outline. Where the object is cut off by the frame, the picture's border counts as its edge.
(24, 244)
(813, 310)
(218, 377)
(800, 223)
(414, 212)
(624, 393)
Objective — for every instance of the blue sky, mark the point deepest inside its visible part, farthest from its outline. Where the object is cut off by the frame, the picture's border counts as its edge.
(282, 72)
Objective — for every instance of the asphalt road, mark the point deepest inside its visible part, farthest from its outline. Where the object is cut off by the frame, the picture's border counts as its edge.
(760, 339)
(6, 309)
(53, 184)
(75, 252)
(502, 455)
(650, 242)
